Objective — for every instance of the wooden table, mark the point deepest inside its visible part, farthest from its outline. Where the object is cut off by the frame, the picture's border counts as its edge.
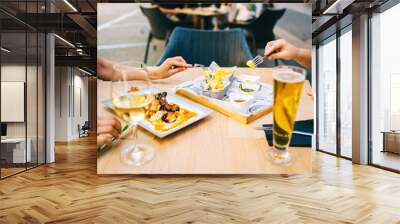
(198, 14)
(215, 145)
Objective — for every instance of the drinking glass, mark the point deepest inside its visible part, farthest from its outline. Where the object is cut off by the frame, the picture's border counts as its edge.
(130, 104)
(288, 86)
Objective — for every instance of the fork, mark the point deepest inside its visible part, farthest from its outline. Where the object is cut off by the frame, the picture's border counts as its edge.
(198, 66)
(124, 133)
(255, 61)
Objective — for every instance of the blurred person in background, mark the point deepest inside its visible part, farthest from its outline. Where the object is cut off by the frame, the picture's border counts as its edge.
(243, 12)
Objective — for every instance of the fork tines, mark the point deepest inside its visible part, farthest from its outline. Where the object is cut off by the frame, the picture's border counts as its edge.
(258, 60)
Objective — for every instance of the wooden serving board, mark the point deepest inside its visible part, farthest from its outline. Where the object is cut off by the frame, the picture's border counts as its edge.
(224, 110)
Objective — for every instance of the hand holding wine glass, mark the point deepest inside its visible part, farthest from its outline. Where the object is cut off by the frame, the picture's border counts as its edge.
(130, 103)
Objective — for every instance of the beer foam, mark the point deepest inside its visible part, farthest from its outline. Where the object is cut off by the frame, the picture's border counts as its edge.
(289, 77)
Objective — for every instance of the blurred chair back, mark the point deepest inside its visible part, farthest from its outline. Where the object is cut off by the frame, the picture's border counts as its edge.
(160, 25)
(226, 47)
(263, 26)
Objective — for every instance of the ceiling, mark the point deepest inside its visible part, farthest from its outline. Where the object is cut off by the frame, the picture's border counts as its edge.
(332, 15)
(74, 22)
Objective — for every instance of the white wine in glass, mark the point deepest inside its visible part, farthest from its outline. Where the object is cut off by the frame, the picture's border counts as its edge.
(131, 106)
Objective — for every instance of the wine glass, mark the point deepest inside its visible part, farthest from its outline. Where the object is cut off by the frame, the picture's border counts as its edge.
(130, 104)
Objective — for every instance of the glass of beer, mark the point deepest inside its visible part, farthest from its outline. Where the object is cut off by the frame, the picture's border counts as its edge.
(288, 86)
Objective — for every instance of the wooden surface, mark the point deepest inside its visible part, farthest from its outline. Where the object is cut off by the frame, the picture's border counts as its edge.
(215, 145)
(70, 191)
(234, 115)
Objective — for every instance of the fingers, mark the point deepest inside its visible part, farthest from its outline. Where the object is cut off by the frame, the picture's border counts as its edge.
(273, 46)
(108, 130)
(278, 55)
(108, 126)
(309, 92)
(104, 140)
(179, 58)
(175, 70)
(109, 122)
(177, 62)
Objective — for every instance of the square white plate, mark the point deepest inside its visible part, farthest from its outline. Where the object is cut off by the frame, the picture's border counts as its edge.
(200, 110)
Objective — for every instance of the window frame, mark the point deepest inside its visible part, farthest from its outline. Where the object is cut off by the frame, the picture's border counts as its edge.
(334, 37)
(378, 10)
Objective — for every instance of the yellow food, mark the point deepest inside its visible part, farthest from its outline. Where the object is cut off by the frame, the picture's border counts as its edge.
(222, 73)
(181, 117)
(216, 80)
(164, 115)
(215, 84)
(250, 64)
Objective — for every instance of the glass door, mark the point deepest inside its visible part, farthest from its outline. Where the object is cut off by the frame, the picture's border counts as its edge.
(22, 76)
(385, 89)
(326, 96)
(345, 42)
(14, 155)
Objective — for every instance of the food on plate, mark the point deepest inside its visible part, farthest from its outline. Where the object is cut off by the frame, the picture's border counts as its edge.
(250, 64)
(217, 80)
(164, 115)
(248, 87)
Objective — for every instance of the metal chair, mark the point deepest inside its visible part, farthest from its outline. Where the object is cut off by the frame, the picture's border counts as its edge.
(226, 47)
(161, 26)
(83, 130)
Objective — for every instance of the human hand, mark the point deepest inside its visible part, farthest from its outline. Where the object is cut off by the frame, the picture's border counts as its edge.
(280, 49)
(107, 128)
(104, 69)
(168, 68)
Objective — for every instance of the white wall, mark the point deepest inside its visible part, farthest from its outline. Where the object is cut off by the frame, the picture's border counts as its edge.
(70, 83)
(12, 73)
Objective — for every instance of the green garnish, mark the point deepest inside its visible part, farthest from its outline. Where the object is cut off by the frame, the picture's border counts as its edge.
(125, 127)
(244, 89)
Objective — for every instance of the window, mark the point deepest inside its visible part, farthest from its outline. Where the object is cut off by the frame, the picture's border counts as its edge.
(327, 96)
(22, 88)
(385, 89)
(346, 93)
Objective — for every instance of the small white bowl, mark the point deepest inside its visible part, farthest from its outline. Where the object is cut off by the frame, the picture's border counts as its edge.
(241, 101)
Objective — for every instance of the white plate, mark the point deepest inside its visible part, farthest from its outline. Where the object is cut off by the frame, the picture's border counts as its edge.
(200, 110)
